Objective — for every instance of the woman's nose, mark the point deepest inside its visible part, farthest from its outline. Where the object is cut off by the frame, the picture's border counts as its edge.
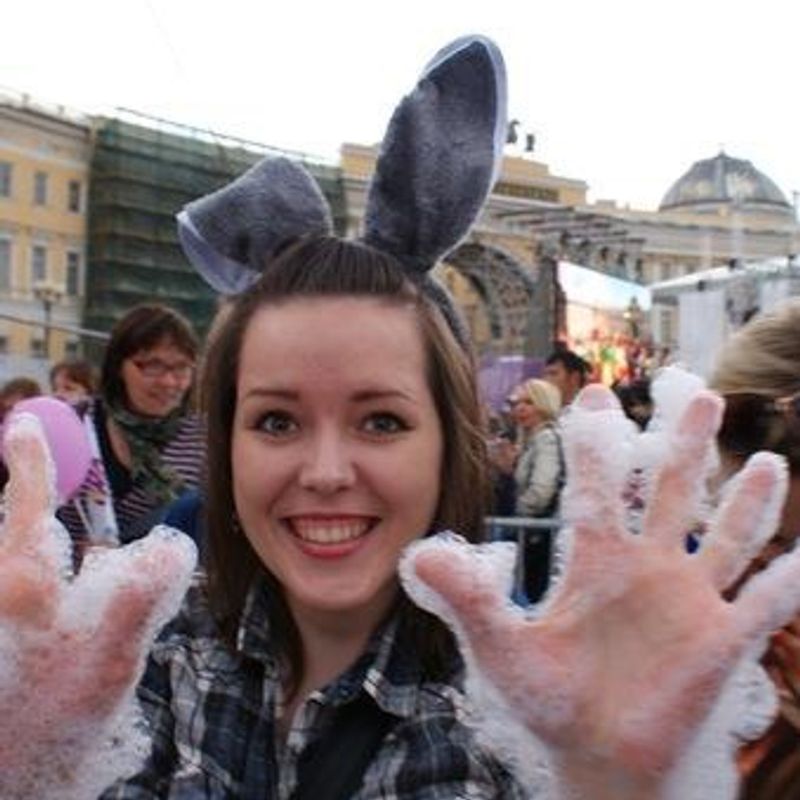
(329, 467)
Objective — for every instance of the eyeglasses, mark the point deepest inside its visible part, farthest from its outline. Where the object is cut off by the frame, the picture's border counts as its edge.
(516, 401)
(156, 368)
(749, 421)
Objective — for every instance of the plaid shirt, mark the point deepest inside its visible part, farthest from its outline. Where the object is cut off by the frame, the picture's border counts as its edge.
(213, 711)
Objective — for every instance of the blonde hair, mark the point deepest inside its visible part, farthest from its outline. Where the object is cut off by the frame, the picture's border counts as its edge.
(763, 357)
(545, 397)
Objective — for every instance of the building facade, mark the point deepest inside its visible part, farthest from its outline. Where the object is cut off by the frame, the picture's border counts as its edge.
(723, 210)
(44, 176)
(143, 171)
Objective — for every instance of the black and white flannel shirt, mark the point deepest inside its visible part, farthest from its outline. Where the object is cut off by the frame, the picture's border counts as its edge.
(212, 713)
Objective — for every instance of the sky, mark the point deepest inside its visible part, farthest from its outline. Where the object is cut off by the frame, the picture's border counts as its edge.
(622, 94)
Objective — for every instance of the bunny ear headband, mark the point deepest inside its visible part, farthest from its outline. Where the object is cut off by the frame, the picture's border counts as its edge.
(439, 159)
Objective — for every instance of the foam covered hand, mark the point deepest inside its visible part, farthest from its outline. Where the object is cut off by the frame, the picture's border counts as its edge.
(634, 677)
(72, 648)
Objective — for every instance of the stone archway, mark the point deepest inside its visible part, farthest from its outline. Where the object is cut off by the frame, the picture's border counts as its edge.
(518, 306)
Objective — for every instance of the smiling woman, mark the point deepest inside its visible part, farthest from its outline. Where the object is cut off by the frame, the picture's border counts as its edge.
(148, 443)
(344, 430)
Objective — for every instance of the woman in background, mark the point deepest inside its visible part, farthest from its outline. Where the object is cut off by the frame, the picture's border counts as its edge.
(148, 441)
(539, 471)
(758, 374)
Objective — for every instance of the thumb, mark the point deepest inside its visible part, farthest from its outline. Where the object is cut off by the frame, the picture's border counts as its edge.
(467, 586)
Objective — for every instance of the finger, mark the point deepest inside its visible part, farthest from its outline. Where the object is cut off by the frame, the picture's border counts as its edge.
(746, 519)
(30, 492)
(597, 439)
(595, 435)
(678, 486)
(770, 599)
(157, 574)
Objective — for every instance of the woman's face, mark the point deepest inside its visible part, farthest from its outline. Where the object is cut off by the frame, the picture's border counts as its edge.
(336, 450)
(156, 380)
(523, 411)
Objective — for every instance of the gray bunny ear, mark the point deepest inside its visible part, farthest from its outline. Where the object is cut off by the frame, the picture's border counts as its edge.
(229, 235)
(440, 156)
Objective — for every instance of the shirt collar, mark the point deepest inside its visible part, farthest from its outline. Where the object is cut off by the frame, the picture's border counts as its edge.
(388, 669)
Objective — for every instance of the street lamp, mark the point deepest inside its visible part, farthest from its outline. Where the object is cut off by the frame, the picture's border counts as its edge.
(47, 293)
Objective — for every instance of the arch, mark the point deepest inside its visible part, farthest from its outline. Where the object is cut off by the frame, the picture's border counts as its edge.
(510, 293)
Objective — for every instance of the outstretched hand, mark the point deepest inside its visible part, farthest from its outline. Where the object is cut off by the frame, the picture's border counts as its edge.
(621, 669)
(71, 648)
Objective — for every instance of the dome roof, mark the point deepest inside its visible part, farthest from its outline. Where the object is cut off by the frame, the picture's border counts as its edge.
(723, 180)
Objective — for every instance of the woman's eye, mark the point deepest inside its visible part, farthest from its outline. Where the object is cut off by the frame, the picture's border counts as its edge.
(383, 423)
(276, 423)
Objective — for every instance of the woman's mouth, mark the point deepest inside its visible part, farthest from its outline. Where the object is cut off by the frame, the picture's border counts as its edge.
(330, 536)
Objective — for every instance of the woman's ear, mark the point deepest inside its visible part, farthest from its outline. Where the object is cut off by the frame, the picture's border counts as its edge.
(440, 156)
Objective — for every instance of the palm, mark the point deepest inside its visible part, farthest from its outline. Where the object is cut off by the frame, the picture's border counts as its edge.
(627, 657)
(74, 648)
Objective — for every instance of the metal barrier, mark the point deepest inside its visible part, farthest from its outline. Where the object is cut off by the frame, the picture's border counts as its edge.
(534, 537)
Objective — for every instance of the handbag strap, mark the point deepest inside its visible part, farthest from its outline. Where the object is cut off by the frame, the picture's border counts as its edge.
(334, 768)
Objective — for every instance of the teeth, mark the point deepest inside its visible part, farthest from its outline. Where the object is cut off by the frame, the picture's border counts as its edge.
(329, 532)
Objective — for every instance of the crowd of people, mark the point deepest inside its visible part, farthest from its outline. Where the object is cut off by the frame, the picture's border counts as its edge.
(316, 653)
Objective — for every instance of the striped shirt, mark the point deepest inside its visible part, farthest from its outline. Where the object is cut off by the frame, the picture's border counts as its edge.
(184, 454)
(213, 711)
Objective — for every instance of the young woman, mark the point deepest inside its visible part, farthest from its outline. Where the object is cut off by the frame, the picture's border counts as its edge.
(149, 443)
(538, 472)
(343, 426)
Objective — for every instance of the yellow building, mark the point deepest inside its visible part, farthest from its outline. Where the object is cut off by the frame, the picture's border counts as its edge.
(44, 175)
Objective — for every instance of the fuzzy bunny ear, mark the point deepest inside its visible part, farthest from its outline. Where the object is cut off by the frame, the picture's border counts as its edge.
(230, 234)
(440, 156)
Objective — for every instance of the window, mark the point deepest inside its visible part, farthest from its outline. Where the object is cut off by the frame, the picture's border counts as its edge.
(74, 196)
(73, 271)
(3, 345)
(665, 272)
(37, 348)
(40, 189)
(5, 264)
(38, 264)
(71, 348)
(5, 179)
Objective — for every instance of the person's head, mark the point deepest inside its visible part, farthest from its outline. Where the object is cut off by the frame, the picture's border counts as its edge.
(636, 401)
(72, 380)
(534, 402)
(15, 390)
(568, 372)
(343, 422)
(149, 362)
(758, 374)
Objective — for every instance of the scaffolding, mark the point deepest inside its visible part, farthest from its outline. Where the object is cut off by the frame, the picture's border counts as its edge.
(142, 173)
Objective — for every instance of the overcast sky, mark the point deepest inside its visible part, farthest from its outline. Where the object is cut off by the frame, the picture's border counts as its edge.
(624, 95)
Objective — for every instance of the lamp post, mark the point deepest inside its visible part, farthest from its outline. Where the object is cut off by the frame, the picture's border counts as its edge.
(47, 293)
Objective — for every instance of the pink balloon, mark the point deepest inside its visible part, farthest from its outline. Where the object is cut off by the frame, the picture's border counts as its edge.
(67, 438)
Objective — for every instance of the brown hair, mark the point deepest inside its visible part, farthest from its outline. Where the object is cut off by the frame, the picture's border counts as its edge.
(757, 371)
(327, 266)
(80, 372)
(142, 328)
